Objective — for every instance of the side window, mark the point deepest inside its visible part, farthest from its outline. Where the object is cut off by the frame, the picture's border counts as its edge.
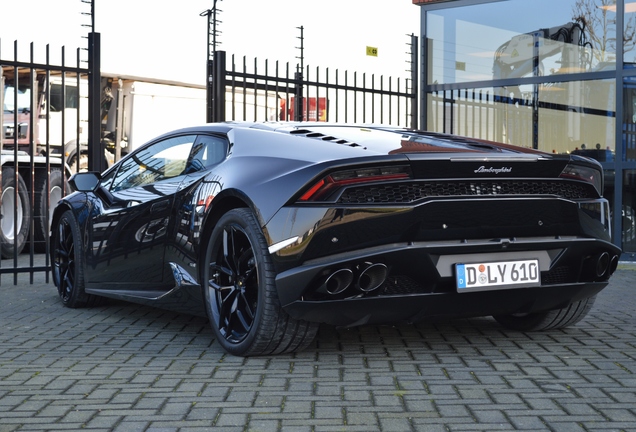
(57, 103)
(208, 150)
(108, 179)
(161, 160)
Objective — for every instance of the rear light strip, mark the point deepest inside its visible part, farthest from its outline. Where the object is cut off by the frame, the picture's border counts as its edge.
(321, 190)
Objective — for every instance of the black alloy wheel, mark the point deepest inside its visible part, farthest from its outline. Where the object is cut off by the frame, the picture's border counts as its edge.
(68, 263)
(241, 298)
(235, 285)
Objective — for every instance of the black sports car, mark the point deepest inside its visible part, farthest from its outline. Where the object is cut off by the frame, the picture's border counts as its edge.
(272, 228)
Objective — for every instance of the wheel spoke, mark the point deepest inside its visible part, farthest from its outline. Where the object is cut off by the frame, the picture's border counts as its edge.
(226, 310)
(229, 248)
(238, 325)
(217, 287)
(233, 284)
(61, 254)
(242, 321)
(222, 277)
(247, 309)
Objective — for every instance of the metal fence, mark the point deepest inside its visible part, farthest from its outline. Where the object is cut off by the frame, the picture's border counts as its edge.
(280, 92)
(45, 106)
(43, 98)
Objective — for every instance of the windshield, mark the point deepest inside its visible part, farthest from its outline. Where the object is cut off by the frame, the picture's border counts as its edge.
(24, 99)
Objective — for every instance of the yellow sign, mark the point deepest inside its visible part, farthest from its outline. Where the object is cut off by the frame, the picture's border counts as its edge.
(372, 51)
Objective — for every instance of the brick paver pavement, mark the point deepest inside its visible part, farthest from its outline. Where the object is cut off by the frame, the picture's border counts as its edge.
(124, 367)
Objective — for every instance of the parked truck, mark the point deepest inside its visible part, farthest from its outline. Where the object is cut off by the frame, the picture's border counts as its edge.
(141, 108)
(46, 117)
(134, 110)
(31, 182)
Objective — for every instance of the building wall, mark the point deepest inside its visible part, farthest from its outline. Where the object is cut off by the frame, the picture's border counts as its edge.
(540, 74)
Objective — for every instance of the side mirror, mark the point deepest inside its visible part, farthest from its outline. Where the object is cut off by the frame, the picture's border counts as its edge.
(85, 181)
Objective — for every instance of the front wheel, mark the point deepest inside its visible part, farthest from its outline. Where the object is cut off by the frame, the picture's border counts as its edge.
(549, 320)
(240, 292)
(67, 257)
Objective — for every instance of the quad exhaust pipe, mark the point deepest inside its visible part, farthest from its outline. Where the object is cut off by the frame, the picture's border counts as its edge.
(338, 281)
(613, 264)
(605, 265)
(602, 264)
(370, 276)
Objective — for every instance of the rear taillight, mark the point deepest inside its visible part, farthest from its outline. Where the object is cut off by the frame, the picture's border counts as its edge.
(584, 173)
(323, 188)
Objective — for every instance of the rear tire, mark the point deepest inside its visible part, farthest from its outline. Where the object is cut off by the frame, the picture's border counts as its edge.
(67, 257)
(549, 320)
(14, 232)
(241, 298)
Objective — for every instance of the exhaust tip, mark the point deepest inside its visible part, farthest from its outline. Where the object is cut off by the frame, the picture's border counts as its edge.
(338, 281)
(602, 264)
(372, 276)
(613, 265)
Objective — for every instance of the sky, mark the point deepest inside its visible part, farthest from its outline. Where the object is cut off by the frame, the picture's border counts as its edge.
(150, 39)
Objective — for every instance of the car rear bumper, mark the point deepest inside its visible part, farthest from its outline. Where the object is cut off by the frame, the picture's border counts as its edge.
(419, 281)
(416, 307)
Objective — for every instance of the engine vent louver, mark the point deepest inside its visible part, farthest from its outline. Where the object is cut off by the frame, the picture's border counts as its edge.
(317, 135)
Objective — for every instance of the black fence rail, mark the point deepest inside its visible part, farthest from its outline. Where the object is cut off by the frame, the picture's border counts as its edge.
(51, 109)
(44, 113)
(280, 93)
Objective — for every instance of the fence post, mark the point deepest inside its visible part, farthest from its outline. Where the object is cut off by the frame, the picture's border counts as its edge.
(95, 150)
(218, 87)
(298, 97)
(414, 83)
(209, 92)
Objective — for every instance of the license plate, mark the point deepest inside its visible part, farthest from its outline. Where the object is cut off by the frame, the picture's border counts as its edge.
(492, 275)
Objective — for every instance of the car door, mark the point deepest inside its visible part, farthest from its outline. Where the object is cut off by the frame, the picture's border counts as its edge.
(129, 234)
(189, 207)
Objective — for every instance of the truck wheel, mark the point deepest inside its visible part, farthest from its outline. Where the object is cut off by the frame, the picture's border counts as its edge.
(14, 232)
(83, 163)
(549, 320)
(41, 210)
(240, 292)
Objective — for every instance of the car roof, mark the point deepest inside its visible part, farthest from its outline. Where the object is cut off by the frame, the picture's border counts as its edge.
(380, 139)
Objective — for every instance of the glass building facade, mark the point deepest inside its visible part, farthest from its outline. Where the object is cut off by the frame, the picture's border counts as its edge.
(545, 74)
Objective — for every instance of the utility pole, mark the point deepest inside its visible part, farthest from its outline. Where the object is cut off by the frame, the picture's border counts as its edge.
(95, 148)
(213, 112)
